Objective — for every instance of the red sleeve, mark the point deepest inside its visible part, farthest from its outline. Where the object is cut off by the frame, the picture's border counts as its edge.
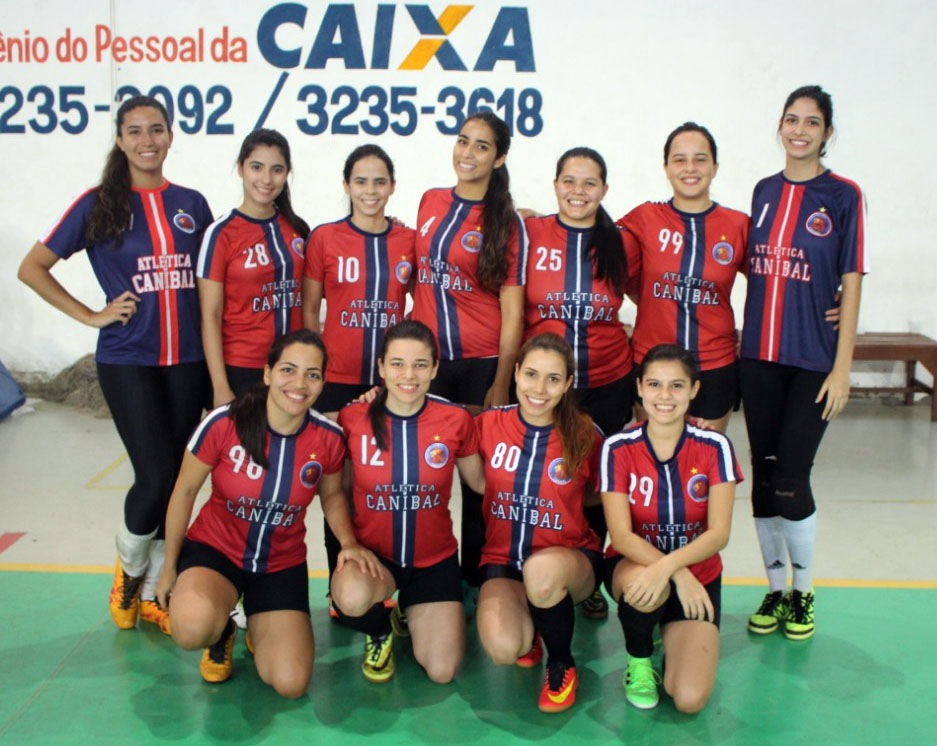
(207, 443)
(335, 455)
(468, 435)
(592, 462)
(517, 254)
(315, 260)
(215, 247)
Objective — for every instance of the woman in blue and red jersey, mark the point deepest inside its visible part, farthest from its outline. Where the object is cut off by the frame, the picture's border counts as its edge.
(141, 234)
(668, 489)
(250, 269)
(268, 454)
(689, 250)
(807, 240)
(403, 448)
(540, 556)
(471, 254)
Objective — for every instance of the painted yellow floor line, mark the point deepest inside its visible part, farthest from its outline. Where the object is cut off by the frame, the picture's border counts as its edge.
(100, 476)
(320, 574)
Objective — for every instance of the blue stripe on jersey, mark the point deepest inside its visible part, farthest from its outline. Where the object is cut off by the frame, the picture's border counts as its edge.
(578, 279)
(209, 242)
(377, 275)
(282, 257)
(447, 319)
(691, 265)
(523, 248)
(274, 494)
(405, 469)
(198, 437)
(670, 502)
(526, 485)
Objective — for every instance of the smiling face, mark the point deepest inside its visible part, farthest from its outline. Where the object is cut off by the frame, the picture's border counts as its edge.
(666, 391)
(579, 191)
(369, 187)
(145, 138)
(295, 382)
(474, 157)
(690, 169)
(264, 174)
(803, 130)
(542, 379)
(407, 369)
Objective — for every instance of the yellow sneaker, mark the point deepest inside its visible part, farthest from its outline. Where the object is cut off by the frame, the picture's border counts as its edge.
(217, 665)
(378, 663)
(152, 612)
(125, 598)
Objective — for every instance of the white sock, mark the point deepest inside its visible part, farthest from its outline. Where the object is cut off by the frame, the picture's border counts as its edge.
(771, 539)
(134, 551)
(800, 537)
(153, 570)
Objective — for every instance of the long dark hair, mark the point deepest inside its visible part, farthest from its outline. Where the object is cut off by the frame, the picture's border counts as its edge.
(574, 427)
(273, 139)
(366, 151)
(605, 245)
(407, 329)
(110, 214)
(249, 410)
(499, 221)
(821, 98)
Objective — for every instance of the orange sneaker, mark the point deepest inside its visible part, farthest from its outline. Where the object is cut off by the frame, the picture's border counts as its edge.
(217, 663)
(152, 612)
(125, 598)
(559, 688)
(533, 656)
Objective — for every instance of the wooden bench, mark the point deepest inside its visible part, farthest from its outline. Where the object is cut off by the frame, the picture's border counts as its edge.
(901, 347)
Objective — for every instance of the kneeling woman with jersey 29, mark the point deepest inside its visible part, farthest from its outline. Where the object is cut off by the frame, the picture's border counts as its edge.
(268, 454)
(667, 489)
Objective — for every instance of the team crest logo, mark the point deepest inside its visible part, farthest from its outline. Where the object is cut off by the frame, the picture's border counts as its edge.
(436, 455)
(559, 472)
(297, 245)
(310, 473)
(723, 253)
(403, 271)
(472, 241)
(819, 224)
(698, 488)
(184, 222)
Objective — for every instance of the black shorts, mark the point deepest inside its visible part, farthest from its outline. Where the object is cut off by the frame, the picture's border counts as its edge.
(611, 406)
(241, 380)
(490, 571)
(263, 591)
(719, 392)
(465, 381)
(673, 609)
(334, 396)
(425, 585)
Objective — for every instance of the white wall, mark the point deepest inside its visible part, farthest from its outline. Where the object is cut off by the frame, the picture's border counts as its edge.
(617, 76)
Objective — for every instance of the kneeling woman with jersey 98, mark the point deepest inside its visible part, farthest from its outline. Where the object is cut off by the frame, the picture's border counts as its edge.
(403, 447)
(540, 557)
(268, 455)
(667, 489)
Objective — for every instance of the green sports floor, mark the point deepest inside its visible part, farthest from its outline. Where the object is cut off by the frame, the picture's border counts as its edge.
(67, 676)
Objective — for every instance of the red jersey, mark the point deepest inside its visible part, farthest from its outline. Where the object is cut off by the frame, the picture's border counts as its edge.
(531, 500)
(563, 296)
(255, 516)
(448, 297)
(669, 499)
(365, 278)
(401, 495)
(688, 263)
(260, 263)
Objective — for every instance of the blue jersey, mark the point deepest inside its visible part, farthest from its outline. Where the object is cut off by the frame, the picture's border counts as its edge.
(804, 237)
(156, 261)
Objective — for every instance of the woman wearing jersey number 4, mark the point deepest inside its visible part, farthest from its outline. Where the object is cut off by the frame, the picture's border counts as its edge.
(471, 253)
(540, 557)
(668, 489)
(141, 234)
(807, 239)
(403, 447)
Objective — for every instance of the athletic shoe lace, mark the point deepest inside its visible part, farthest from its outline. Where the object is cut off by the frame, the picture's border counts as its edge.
(556, 675)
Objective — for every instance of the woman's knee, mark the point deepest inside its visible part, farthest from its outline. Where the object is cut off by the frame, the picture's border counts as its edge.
(290, 680)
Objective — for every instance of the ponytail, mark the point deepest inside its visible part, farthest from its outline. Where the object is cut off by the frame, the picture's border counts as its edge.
(377, 416)
(273, 139)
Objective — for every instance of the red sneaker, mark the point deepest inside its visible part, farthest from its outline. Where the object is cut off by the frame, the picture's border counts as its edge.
(533, 656)
(559, 688)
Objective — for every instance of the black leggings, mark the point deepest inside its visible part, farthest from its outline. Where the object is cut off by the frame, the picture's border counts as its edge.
(785, 426)
(155, 409)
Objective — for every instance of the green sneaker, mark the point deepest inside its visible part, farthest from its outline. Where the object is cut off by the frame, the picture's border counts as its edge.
(772, 611)
(799, 624)
(378, 663)
(640, 682)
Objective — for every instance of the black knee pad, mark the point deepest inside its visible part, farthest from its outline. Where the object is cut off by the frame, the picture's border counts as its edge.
(793, 498)
(763, 487)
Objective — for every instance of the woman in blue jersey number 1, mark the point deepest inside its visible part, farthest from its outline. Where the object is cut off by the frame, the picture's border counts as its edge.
(141, 234)
(807, 238)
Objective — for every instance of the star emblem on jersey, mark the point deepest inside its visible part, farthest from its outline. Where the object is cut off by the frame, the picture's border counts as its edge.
(184, 222)
(819, 224)
(472, 241)
(697, 486)
(310, 473)
(403, 271)
(723, 252)
(436, 454)
(558, 471)
(297, 244)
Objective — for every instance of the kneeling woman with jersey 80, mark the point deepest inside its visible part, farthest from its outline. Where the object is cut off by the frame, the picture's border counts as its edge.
(268, 454)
